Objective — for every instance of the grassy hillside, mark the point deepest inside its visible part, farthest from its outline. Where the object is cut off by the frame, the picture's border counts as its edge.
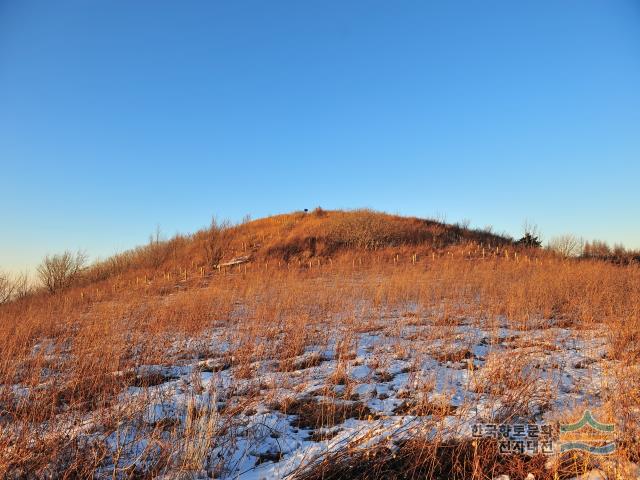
(294, 237)
(364, 328)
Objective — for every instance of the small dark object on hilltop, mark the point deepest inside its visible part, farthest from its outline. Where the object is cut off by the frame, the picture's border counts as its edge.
(529, 240)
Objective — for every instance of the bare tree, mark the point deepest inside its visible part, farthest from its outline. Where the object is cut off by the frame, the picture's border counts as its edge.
(596, 249)
(59, 271)
(22, 286)
(619, 250)
(567, 245)
(7, 288)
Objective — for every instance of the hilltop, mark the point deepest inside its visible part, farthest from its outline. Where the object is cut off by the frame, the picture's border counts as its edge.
(295, 237)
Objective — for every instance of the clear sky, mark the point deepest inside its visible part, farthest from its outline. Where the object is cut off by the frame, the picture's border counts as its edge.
(117, 116)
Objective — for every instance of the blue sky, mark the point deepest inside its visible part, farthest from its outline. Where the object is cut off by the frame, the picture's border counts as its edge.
(117, 116)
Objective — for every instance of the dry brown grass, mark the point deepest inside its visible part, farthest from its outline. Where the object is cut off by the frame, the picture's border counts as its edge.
(75, 351)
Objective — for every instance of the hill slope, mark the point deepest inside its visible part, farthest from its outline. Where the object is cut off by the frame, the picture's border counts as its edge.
(294, 236)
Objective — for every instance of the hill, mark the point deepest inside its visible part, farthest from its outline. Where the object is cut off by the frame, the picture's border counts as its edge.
(294, 237)
(318, 345)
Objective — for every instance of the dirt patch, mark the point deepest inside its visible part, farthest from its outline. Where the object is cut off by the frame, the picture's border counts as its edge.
(215, 365)
(311, 413)
(322, 434)
(424, 408)
(268, 457)
(383, 376)
(454, 355)
(151, 379)
(300, 363)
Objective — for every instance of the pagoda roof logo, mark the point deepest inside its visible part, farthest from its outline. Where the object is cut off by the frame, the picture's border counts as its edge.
(589, 435)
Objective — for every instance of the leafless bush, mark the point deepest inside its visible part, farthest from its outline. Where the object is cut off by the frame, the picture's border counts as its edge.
(57, 272)
(22, 286)
(216, 242)
(618, 254)
(597, 248)
(567, 245)
(7, 288)
(157, 250)
(464, 223)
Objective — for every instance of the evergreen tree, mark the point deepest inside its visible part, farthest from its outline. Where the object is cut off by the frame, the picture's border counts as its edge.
(530, 240)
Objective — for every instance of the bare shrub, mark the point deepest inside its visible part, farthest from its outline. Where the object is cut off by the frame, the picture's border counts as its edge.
(57, 272)
(7, 288)
(596, 248)
(156, 251)
(216, 242)
(22, 286)
(566, 245)
(13, 287)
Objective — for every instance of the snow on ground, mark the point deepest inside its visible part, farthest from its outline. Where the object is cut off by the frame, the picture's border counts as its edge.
(399, 377)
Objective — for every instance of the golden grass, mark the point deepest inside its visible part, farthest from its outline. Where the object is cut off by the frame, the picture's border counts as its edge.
(75, 351)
